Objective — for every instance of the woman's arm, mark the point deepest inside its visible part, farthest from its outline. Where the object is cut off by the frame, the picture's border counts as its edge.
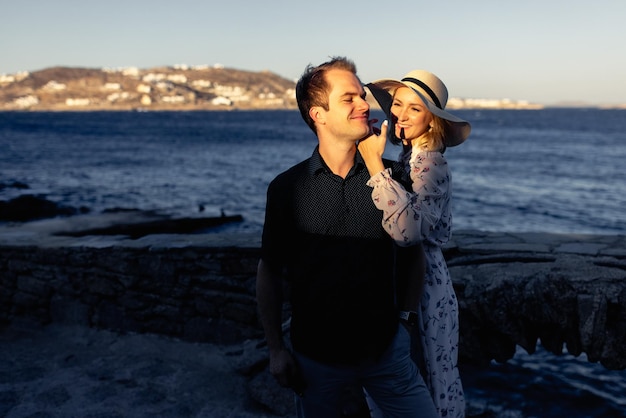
(409, 216)
(372, 149)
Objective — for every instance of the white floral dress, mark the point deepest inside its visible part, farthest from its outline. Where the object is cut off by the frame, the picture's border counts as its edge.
(424, 215)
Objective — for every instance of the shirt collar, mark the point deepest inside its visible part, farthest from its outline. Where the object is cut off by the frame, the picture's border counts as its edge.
(317, 164)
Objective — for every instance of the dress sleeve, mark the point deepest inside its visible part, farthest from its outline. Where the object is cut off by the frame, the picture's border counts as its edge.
(409, 216)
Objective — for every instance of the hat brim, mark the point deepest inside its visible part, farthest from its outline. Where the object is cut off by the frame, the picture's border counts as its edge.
(383, 91)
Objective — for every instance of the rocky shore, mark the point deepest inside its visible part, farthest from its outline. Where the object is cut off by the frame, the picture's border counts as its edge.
(165, 324)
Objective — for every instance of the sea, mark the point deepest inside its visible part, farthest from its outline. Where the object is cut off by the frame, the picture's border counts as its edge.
(560, 170)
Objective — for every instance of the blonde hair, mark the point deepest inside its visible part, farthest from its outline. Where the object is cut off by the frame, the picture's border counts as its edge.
(433, 140)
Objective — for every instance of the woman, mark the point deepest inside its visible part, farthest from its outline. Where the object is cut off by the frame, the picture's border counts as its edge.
(415, 106)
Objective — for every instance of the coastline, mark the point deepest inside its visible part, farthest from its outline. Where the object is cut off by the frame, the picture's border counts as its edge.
(71, 365)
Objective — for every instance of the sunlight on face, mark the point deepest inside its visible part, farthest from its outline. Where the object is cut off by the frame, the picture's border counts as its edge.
(348, 111)
(410, 113)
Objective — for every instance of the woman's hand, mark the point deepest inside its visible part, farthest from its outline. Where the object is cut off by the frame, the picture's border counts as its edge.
(373, 147)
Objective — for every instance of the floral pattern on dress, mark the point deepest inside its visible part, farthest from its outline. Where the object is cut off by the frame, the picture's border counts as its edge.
(423, 214)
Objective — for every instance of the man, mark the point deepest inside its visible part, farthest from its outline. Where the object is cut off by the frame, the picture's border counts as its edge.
(323, 234)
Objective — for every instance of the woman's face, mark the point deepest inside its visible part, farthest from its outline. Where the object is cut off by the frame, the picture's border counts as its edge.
(412, 117)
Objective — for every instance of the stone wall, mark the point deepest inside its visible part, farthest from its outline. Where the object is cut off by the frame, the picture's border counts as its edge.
(513, 289)
(195, 293)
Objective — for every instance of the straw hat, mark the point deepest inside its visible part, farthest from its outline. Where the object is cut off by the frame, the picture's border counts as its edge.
(433, 94)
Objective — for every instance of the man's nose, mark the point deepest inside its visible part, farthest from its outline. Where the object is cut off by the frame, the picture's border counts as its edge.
(363, 104)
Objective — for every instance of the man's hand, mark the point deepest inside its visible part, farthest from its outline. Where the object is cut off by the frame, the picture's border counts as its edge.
(286, 371)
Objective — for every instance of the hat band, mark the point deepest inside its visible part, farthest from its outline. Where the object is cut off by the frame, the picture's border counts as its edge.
(426, 89)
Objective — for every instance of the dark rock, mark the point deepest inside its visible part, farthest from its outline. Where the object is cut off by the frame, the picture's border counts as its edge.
(29, 207)
(513, 289)
(161, 226)
(15, 185)
(519, 289)
(264, 389)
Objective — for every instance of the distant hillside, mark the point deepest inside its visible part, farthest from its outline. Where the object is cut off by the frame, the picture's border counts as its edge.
(171, 88)
(163, 88)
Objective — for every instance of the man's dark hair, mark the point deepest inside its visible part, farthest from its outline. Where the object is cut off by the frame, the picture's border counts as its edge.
(312, 88)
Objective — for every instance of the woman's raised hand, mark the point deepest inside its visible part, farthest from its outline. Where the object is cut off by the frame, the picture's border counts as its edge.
(372, 147)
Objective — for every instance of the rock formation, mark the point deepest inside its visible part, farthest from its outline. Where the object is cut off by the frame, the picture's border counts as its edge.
(565, 290)
(513, 288)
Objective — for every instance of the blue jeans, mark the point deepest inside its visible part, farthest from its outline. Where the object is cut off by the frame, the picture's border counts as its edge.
(393, 383)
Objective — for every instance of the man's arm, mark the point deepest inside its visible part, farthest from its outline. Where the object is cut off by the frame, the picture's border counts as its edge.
(270, 303)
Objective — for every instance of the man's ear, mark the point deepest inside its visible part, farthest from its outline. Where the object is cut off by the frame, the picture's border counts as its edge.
(318, 115)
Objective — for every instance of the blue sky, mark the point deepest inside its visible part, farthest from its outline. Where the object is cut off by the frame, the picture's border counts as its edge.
(543, 51)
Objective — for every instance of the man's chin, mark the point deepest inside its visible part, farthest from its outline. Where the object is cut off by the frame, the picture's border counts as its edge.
(365, 132)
